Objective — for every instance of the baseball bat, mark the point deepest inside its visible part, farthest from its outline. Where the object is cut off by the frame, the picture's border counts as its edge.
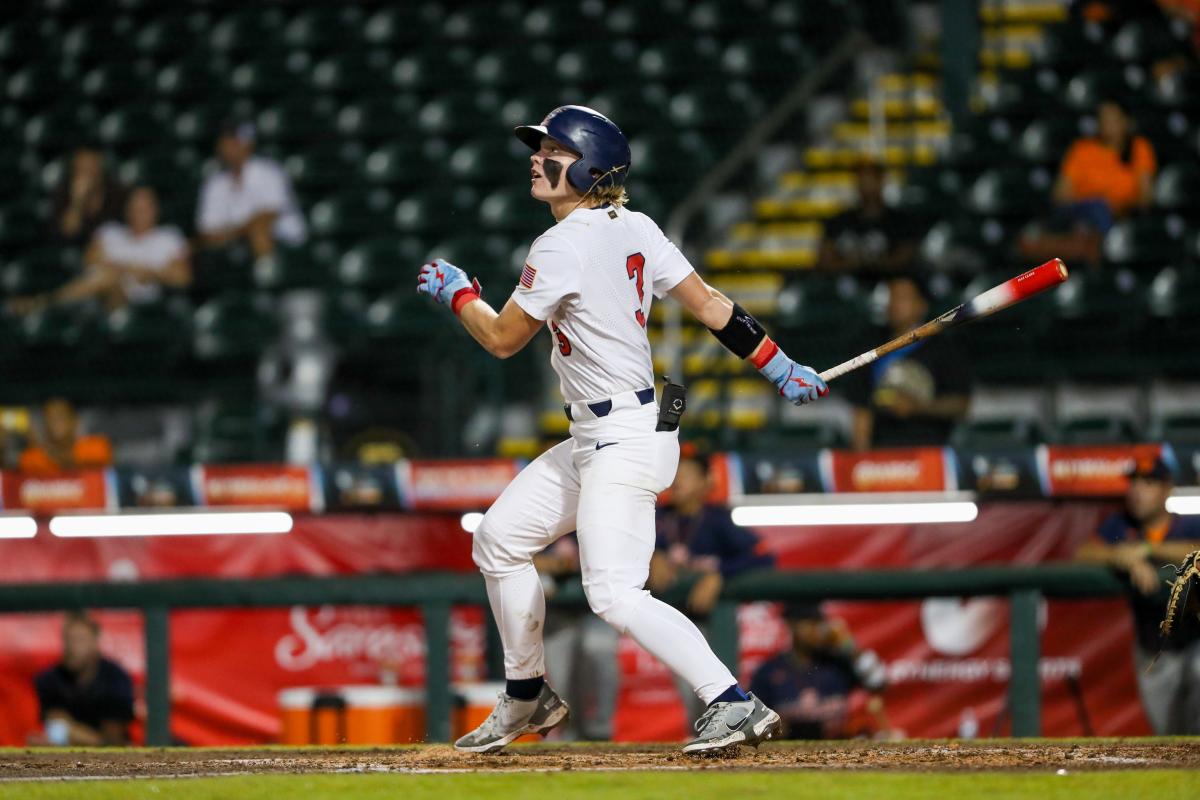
(1011, 292)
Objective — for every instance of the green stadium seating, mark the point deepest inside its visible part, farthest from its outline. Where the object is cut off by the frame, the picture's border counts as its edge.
(1144, 242)
(232, 431)
(381, 262)
(1172, 324)
(511, 67)
(1010, 191)
(510, 210)
(490, 161)
(324, 29)
(297, 120)
(19, 226)
(680, 61)
(1086, 89)
(1008, 348)
(290, 268)
(397, 164)
(593, 64)
(1177, 188)
(265, 77)
(436, 211)
(1024, 94)
(350, 72)
(1178, 89)
(190, 78)
(997, 433)
(36, 84)
(822, 317)
(1068, 46)
(144, 337)
(232, 328)
(113, 81)
(351, 214)
(378, 119)
(1045, 141)
(1093, 324)
(402, 315)
(161, 35)
(323, 168)
(401, 23)
(1146, 40)
(131, 127)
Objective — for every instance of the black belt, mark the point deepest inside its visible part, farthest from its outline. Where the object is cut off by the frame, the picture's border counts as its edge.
(604, 407)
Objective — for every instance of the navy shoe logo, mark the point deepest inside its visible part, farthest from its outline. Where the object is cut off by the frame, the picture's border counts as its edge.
(601, 446)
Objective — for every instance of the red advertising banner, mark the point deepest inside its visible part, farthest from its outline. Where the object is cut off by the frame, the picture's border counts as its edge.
(454, 485)
(275, 485)
(1074, 471)
(91, 489)
(918, 469)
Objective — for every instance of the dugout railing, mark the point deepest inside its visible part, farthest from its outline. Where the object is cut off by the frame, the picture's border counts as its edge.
(434, 593)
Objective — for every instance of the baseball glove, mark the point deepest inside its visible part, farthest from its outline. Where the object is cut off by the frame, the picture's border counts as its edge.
(1182, 622)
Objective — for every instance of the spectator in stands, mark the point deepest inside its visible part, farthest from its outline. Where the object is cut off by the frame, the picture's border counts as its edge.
(250, 200)
(62, 446)
(700, 540)
(913, 396)
(86, 198)
(1133, 542)
(581, 650)
(812, 683)
(85, 699)
(126, 263)
(870, 238)
(1102, 179)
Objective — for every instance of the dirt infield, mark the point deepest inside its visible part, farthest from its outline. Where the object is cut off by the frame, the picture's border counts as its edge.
(900, 756)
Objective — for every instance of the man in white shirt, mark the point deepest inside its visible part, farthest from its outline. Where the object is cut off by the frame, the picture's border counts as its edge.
(126, 263)
(250, 199)
(590, 279)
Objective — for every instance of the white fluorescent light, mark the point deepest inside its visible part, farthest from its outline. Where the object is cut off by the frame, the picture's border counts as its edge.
(854, 514)
(1184, 504)
(18, 527)
(198, 524)
(470, 521)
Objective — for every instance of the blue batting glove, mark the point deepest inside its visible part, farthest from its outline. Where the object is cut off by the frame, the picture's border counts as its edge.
(798, 383)
(441, 280)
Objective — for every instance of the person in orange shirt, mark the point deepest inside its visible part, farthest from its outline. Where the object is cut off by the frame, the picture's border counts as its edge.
(1134, 542)
(63, 448)
(1109, 175)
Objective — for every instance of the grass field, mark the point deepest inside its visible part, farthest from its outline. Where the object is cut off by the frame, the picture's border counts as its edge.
(1123, 785)
(1043, 769)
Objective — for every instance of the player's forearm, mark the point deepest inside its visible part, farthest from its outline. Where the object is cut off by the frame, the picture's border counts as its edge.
(952, 406)
(1173, 551)
(483, 323)
(1099, 554)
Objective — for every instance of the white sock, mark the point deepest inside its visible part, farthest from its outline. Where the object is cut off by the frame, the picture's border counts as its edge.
(520, 611)
(675, 640)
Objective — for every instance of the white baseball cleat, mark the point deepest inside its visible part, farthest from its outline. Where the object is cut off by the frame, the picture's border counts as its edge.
(728, 725)
(512, 718)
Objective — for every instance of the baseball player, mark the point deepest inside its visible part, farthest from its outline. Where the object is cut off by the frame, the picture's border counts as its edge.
(590, 279)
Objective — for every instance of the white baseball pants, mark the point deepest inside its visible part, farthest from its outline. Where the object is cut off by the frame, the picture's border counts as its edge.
(602, 483)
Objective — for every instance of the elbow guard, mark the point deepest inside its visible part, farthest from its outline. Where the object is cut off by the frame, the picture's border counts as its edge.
(742, 334)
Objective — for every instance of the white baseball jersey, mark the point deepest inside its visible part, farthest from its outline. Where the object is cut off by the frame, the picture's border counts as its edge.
(155, 250)
(592, 278)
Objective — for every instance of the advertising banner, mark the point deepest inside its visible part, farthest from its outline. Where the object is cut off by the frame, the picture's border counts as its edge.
(68, 491)
(1078, 471)
(454, 485)
(281, 486)
(917, 469)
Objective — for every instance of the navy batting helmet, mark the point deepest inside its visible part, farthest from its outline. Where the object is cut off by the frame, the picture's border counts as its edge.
(603, 150)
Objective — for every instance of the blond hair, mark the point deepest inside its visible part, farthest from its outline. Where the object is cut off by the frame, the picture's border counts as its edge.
(609, 195)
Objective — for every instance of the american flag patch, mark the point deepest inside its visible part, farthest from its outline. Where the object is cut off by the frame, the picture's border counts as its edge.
(527, 276)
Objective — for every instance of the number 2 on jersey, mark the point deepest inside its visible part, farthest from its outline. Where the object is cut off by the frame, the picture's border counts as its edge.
(635, 267)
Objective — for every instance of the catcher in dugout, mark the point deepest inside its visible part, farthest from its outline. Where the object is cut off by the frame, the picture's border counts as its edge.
(1135, 543)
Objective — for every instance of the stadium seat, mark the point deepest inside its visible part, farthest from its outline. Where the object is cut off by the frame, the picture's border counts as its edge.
(1093, 325)
(117, 81)
(197, 126)
(58, 128)
(378, 119)
(1022, 94)
(265, 77)
(1144, 242)
(1046, 141)
(1010, 191)
(436, 212)
(161, 34)
(318, 29)
(290, 268)
(1068, 46)
(399, 316)
(35, 270)
(967, 245)
(247, 30)
(348, 72)
(493, 160)
(19, 226)
(1177, 188)
(1147, 40)
(401, 23)
(1086, 89)
(174, 171)
(1172, 324)
(979, 144)
(146, 337)
(1008, 348)
(561, 23)
(397, 164)
(35, 85)
(823, 318)
(352, 214)
(303, 121)
(511, 67)
(509, 210)
(130, 127)
(381, 263)
(680, 60)
(233, 431)
(190, 78)
(587, 64)
(233, 328)
(1178, 89)
(479, 22)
